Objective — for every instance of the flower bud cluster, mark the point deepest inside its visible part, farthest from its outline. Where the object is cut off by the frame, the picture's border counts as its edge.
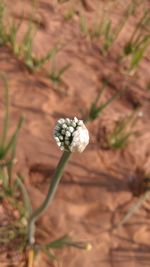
(71, 135)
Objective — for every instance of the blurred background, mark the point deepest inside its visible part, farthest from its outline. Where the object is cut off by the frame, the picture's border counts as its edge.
(91, 60)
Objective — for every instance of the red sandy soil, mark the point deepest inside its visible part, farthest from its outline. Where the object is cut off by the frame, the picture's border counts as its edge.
(94, 192)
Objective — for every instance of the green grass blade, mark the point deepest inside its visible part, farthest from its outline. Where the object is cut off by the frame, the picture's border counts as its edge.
(26, 198)
(124, 123)
(4, 178)
(2, 10)
(53, 74)
(6, 116)
(27, 43)
(142, 42)
(93, 113)
(49, 56)
(66, 241)
(110, 101)
(138, 55)
(13, 151)
(119, 141)
(13, 139)
(58, 243)
(138, 27)
(101, 92)
(64, 69)
(12, 36)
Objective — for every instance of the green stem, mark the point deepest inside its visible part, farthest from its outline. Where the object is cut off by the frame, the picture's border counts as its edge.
(51, 192)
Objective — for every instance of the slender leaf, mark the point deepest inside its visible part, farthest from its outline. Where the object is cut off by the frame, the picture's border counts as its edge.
(65, 240)
(12, 141)
(26, 198)
(6, 116)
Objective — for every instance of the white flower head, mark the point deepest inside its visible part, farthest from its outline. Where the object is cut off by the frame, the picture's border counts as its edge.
(71, 135)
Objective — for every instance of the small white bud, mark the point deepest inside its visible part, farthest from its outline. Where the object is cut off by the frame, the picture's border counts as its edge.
(73, 124)
(80, 123)
(71, 129)
(75, 120)
(67, 121)
(63, 131)
(57, 134)
(67, 142)
(57, 139)
(61, 121)
(68, 134)
(57, 127)
(58, 143)
(64, 126)
(61, 137)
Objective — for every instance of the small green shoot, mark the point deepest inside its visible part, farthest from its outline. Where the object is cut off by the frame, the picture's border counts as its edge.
(8, 33)
(26, 46)
(60, 243)
(32, 62)
(24, 49)
(8, 145)
(96, 107)
(139, 42)
(66, 240)
(8, 190)
(26, 199)
(56, 75)
(123, 130)
(104, 29)
(12, 31)
(95, 31)
(138, 54)
(110, 33)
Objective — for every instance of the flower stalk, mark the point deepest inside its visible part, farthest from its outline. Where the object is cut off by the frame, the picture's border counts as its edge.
(51, 192)
(71, 135)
